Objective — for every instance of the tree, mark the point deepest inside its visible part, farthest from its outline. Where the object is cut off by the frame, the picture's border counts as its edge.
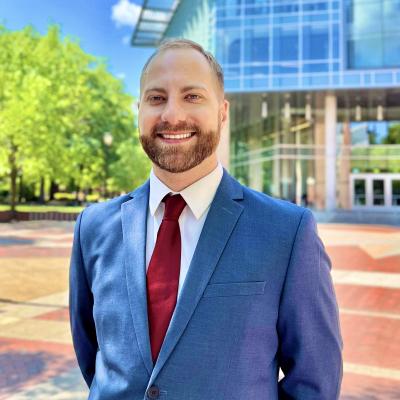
(393, 136)
(56, 103)
(130, 167)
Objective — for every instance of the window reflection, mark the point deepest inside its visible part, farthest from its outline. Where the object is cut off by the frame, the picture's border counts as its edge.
(396, 192)
(315, 42)
(375, 132)
(286, 46)
(378, 192)
(229, 49)
(359, 192)
(256, 46)
(373, 33)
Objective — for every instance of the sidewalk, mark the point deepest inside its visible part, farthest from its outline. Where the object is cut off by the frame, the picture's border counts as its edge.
(37, 361)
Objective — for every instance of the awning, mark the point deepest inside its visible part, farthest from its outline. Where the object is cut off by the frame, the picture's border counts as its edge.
(153, 21)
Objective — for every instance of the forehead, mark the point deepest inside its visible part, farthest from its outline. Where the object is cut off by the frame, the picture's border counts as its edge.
(181, 67)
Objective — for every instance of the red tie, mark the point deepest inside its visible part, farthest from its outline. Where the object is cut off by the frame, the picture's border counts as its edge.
(163, 273)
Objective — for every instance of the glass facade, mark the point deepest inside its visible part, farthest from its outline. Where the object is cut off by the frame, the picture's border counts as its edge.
(372, 42)
(278, 143)
(275, 151)
(194, 20)
(276, 45)
(314, 89)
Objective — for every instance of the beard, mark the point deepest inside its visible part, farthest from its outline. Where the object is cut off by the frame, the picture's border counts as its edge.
(184, 156)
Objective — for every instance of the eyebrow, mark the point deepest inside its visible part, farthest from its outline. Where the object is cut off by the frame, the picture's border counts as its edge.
(184, 89)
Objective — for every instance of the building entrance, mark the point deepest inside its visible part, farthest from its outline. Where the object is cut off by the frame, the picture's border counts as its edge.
(375, 190)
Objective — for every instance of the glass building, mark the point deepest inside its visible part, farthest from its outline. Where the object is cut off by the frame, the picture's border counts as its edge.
(314, 91)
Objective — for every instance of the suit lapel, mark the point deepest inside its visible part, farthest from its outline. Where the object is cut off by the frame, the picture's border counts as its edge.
(134, 227)
(221, 219)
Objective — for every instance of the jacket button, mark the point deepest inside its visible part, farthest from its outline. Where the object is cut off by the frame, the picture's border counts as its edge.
(153, 392)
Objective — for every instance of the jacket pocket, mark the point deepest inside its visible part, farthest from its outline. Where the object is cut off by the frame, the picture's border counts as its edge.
(234, 289)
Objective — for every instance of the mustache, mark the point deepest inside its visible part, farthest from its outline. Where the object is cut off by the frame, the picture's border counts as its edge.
(181, 126)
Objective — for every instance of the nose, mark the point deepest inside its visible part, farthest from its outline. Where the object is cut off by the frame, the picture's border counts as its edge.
(173, 112)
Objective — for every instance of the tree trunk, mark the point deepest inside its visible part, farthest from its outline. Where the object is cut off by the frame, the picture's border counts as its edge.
(13, 177)
(53, 189)
(77, 197)
(21, 189)
(41, 196)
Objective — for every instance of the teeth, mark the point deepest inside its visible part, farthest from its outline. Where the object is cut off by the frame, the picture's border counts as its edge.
(182, 136)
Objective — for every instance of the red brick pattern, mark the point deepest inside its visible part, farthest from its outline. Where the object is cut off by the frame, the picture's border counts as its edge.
(34, 252)
(355, 258)
(360, 387)
(25, 363)
(370, 316)
(61, 314)
(371, 341)
(375, 299)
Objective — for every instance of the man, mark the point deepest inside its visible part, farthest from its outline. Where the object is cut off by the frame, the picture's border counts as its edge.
(194, 287)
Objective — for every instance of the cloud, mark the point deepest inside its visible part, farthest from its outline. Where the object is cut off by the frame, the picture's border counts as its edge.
(125, 13)
(121, 76)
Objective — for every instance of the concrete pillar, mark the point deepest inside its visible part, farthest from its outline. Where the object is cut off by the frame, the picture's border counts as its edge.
(276, 168)
(298, 172)
(330, 151)
(255, 168)
(319, 140)
(344, 168)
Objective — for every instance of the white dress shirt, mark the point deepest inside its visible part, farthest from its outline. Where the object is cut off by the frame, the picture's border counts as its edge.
(198, 197)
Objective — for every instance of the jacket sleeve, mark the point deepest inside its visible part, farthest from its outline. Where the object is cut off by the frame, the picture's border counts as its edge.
(310, 350)
(81, 310)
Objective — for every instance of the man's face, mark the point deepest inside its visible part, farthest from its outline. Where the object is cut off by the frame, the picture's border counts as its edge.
(181, 110)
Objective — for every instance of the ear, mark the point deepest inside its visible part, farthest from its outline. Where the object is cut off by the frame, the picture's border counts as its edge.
(224, 111)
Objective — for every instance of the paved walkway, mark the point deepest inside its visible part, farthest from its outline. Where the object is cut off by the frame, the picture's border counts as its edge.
(36, 356)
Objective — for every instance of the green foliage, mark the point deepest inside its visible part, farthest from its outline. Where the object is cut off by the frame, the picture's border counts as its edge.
(394, 135)
(130, 167)
(64, 196)
(44, 208)
(376, 159)
(56, 104)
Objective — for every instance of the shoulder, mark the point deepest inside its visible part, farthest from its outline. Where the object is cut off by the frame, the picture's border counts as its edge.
(98, 210)
(262, 209)
(100, 216)
(277, 212)
(103, 215)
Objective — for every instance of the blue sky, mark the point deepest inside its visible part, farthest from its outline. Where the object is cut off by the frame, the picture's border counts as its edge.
(102, 27)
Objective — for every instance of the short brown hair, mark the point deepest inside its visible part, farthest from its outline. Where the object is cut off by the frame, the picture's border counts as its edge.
(168, 44)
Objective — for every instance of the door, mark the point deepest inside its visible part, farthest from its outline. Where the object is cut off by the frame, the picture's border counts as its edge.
(359, 192)
(378, 192)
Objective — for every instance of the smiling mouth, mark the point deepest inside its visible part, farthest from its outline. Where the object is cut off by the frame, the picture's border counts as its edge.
(176, 136)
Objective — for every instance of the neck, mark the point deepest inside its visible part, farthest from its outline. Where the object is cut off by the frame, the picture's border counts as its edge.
(179, 181)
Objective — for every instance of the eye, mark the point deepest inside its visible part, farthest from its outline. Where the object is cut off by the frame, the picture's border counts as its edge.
(155, 99)
(193, 97)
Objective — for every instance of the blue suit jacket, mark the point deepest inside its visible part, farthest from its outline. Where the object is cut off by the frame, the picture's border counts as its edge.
(258, 297)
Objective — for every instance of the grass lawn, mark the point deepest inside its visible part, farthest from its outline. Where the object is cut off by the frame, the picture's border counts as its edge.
(43, 208)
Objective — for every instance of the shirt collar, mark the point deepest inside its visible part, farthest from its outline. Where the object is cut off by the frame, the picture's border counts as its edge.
(198, 195)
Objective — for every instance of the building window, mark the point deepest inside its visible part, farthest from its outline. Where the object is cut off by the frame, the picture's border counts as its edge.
(315, 42)
(229, 47)
(395, 192)
(359, 192)
(373, 33)
(286, 44)
(378, 192)
(256, 45)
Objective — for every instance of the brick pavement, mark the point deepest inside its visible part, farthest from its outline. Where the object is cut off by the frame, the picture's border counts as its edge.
(37, 361)
(36, 356)
(366, 273)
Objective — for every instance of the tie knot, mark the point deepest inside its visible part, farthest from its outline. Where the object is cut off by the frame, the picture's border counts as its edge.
(174, 206)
